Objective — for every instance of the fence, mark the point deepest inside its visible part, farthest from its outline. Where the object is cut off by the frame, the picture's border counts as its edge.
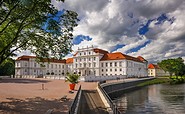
(109, 100)
(74, 106)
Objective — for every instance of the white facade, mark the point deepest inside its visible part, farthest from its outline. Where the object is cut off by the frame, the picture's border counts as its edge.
(155, 71)
(86, 62)
(27, 65)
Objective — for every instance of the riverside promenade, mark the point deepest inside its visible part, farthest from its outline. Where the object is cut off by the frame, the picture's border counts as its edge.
(36, 96)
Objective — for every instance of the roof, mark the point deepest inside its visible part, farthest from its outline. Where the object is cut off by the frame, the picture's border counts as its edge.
(153, 66)
(69, 60)
(97, 50)
(26, 58)
(141, 58)
(118, 56)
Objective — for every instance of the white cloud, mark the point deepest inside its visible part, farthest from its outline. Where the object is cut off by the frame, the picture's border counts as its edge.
(112, 22)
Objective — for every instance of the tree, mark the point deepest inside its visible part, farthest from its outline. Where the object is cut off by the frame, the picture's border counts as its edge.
(173, 66)
(7, 68)
(179, 67)
(35, 25)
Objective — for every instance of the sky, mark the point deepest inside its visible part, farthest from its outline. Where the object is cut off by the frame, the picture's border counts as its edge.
(153, 29)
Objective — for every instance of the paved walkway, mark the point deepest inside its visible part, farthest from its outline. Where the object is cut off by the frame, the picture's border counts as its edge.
(91, 103)
(36, 96)
(28, 96)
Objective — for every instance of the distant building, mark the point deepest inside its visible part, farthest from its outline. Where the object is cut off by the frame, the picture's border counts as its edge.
(88, 61)
(155, 70)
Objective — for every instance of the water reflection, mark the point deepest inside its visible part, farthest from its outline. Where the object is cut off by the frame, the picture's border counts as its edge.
(155, 99)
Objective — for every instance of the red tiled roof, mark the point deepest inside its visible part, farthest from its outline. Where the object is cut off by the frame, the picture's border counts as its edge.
(54, 60)
(152, 66)
(96, 50)
(118, 56)
(141, 58)
(69, 60)
(26, 58)
(75, 54)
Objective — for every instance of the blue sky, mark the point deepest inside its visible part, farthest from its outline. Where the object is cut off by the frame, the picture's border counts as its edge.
(154, 29)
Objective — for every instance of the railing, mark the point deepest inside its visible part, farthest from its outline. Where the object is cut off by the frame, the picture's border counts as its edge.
(109, 100)
(74, 106)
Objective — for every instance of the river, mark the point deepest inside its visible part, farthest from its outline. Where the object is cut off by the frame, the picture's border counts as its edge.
(154, 99)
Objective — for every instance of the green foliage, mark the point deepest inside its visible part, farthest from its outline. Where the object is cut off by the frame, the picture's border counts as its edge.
(154, 81)
(173, 66)
(7, 68)
(177, 79)
(72, 78)
(35, 25)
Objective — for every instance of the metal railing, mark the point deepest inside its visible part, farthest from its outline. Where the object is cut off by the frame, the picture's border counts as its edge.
(74, 106)
(109, 100)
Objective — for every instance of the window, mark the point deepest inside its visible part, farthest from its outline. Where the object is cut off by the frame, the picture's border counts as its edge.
(120, 69)
(111, 70)
(80, 53)
(80, 65)
(84, 59)
(89, 59)
(76, 65)
(94, 58)
(59, 70)
(102, 70)
(89, 53)
(115, 69)
(84, 53)
(120, 64)
(62, 66)
(34, 70)
(59, 66)
(89, 72)
(115, 63)
(84, 64)
(51, 65)
(110, 64)
(94, 72)
(89, 64)
(80, 59)
(25, 70)
(102, 74)
(106, 70)
(35, 65)
(94, 64)
(106, 64)
(25, 64)
(101, 64)
(76, 60)
(55, 66)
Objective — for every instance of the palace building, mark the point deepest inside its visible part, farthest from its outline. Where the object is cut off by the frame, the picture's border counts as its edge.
(87, 62)
(155, 71)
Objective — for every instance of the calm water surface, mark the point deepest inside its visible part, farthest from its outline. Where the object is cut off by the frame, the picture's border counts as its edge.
(154, 99)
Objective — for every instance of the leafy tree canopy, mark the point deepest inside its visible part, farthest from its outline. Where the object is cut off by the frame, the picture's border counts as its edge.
(7, 68)
(35, 25)
(173, 66)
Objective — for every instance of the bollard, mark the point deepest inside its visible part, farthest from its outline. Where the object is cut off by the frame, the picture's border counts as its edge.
(42, 86)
